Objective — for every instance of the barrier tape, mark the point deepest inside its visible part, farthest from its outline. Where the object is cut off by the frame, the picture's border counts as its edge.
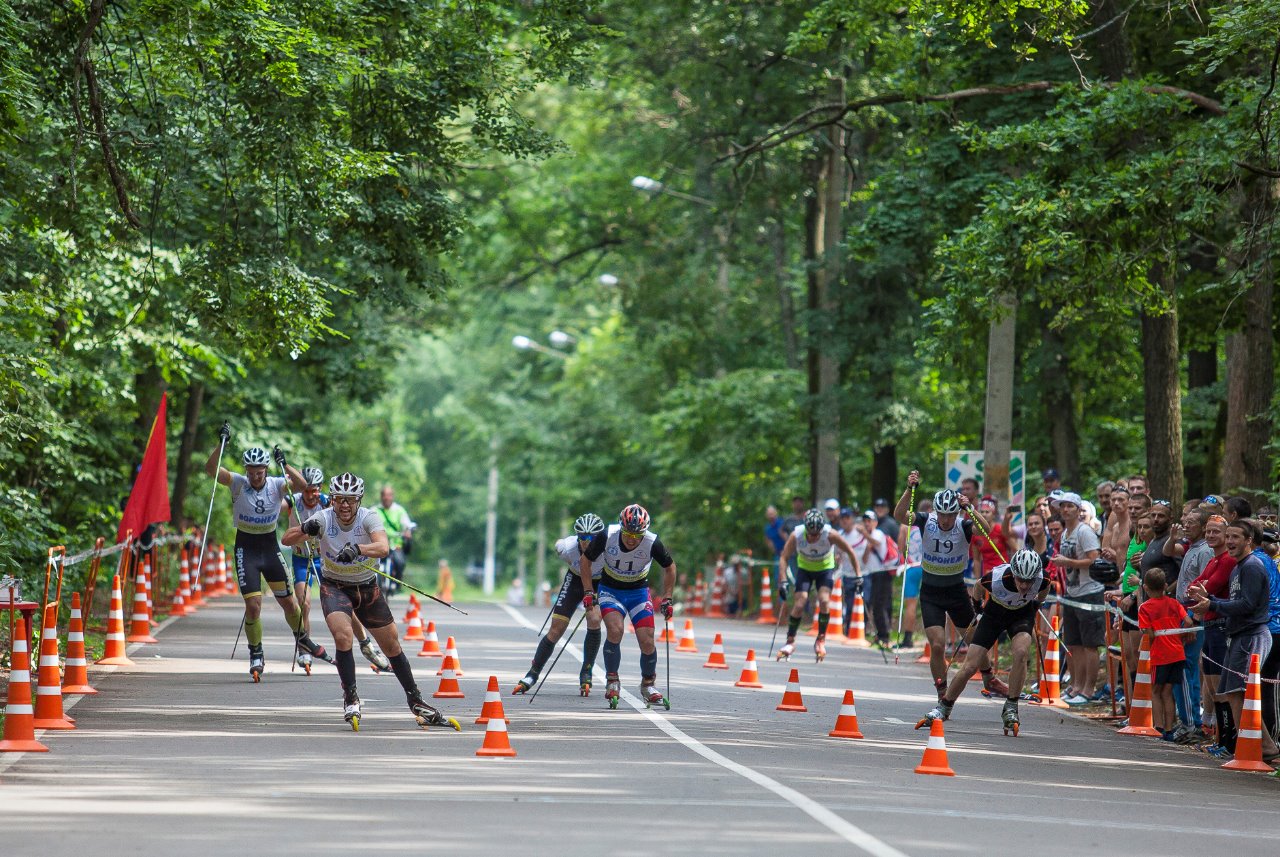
(1116, 611)
(111, 551)
(1237, 672)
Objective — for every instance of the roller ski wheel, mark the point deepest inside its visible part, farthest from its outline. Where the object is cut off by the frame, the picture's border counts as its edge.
(993, 685)
(1009, 715)
(351, 709)
(428, 716)
(788, 648)
(257, 663)
(525, 684)
(584, 681)
(941, 711)
(613, 691)
(304, 661)
(819, 650)
(1022, 697)
(374, 656)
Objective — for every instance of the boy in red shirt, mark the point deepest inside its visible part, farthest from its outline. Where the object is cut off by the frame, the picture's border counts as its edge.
(1168, 659)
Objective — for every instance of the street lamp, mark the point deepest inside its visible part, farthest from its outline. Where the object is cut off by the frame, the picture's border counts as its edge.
(524, 343)
(608, 280)
(560, 339)
(648, 185)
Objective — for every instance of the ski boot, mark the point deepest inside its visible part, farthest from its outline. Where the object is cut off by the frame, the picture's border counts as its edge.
(993, 685)
(1009, 714)
(651, 695)
(351, 708)
(426, 715)
(941, 711)
(311, 647)
(612, 690)
(304, 661)
(374, 656)
(940, 685)
(784, 654)
(256, 662)
(584, 679)
(820, 648)
(523, 686)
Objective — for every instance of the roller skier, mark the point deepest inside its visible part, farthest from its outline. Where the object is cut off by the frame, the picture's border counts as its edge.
(814, 544)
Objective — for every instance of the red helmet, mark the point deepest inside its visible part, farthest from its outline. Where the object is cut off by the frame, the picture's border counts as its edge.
(634, 519)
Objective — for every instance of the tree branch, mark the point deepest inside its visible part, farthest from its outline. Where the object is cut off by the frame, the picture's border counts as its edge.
(1262, 171)
(553, 264)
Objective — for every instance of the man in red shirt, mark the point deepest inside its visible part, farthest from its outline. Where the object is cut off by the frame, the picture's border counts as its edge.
(1162, 613)
(1216, 580)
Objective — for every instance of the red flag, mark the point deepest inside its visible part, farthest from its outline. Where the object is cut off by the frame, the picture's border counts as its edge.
(149, 500)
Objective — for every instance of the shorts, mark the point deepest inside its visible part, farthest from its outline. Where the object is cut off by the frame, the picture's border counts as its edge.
(1132, 612)
(1087, 628)
(305, 571)
(939, 602)
(569, 596)
(997, 620)
(258, 556)
(911, 582)
(1169, 673)
(1239, 650)
(815, 579)
(1215, 647)
(635, 603)
(365, 601)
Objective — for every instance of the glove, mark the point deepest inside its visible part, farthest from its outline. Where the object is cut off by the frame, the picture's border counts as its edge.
(783, 592)
(224, 431)
(311, 526)
(857, 585)
(667, 608)
(278, 454)
(588, 600)
(350, 553)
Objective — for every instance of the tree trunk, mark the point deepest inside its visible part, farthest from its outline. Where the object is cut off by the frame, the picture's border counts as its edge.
(1162, 392)
(1110, 44)
(1060, 407)
(186, 447)
(1202, 371)
(997, 433)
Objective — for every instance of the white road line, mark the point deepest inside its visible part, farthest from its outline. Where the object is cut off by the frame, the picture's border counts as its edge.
(851, 833)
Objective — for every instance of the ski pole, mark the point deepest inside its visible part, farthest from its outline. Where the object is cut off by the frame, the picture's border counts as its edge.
(781, 613)
(208, 518)
(413, 588)
(667, 644)
(546, 620)
(557, 659)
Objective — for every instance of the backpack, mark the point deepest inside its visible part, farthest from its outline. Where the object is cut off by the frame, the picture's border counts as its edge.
(891, 553)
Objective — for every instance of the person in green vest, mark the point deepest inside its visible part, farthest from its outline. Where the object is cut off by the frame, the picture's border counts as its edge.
(399, 530)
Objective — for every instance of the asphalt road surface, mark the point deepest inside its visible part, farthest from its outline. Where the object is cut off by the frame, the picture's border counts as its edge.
(184, 755)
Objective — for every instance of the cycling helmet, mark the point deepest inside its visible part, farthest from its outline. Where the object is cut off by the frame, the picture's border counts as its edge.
(346, 485)
(256, 456)
(634, 519)
(946, 502)
(588, 525)
(313, 476)
(1025, 565)
(814, 521)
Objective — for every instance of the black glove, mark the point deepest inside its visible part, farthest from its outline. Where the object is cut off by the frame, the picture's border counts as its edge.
(350, 553)
(224, 431)
(667, 608)
(783, 592)
(857, 585)
(278, 454)
(588, 600)
(311, 526)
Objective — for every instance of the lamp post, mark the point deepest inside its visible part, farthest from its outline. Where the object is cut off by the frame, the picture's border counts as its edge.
(648, 185)
(524, 343)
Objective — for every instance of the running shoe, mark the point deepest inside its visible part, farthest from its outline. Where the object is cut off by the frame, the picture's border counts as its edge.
(1103, 694)
(1076, 700)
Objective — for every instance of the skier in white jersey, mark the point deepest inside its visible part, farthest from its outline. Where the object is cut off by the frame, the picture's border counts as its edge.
(352, 539)
(256, 502)
(570, 549)
(1014, 593)
(629, 548)
(307, 503)
(814, 544)
(944, 554)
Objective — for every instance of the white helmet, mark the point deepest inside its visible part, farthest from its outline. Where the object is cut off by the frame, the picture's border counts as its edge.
(313, 476)
(588, 525)
(256, 456)
(1026, 565)
(347, 485)
(946, 502)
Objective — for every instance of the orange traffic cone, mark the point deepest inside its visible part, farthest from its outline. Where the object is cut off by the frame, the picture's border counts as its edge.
(181, 605)
(408, 611)
(715, 660)
(492, 703)
(935, 753)
(196, 575)
(496, 743)
(766, 616)
(846, 720)
(1140, 705)
(1051, 681)
(414, 631)
(835, 612)
(791, 699)
(926, 655)
(857, 622)
(667, 635)
(451, 651)
(1248, 755)
(430, 643)
(699, 598)
(449, 688)
(226, 582)
(48, 712)
(750, 672)
(687, 642)
(140, 620)
(77, 677)
(717, 594)
(19, 733)
(114, 653)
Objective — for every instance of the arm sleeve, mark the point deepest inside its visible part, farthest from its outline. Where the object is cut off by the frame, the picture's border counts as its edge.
(967, 526)
(661, 555)
(596, 548)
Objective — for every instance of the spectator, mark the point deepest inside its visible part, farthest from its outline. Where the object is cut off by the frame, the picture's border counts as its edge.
(1037, 536)
(1196, 556)
(969, 488)
(1161, 531)
(995, 550)
(1118, 532)
(1168, 660)
(1138, 505)
(831, 509)
(875, 570)
(732, 584)
(1138, 485)
(1051, 480)
(887, 523)
(850, 578)
(1270, 671)
(1084, 628)
(774, 535)
(1103, 492)
(444, 581)
(1237, 508)
(1089, 514)
(1130, 596)
(1215, 579)
(399, 527)
(1248, 614)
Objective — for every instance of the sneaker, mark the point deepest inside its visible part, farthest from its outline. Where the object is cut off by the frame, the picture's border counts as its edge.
(1179, 732)
(1103, 694)
(1122, 724)
(1217, 751)
(1076, 700)
(1167, 736)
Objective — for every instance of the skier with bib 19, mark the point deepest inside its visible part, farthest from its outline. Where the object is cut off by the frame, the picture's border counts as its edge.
(629, 548)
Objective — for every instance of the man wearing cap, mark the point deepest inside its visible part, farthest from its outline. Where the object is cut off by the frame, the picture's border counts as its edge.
(831, 509)
(1052, 481)
(887, 524)
(1084, 628)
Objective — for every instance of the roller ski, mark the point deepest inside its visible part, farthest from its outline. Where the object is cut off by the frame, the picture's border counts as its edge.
(377, 660)
(351, 708)
(993, 685)
(257, 662)
(1009, 714)
(651, 695)
(612, 690)
(428, 716)
(524, 685)
(820, 649)
(584, 680)
(1022, 697)
(941, 711)
(787, 650)
(304, 661)
(311, 647)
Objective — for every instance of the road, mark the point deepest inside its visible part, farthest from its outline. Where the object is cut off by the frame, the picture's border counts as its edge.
(184, 755)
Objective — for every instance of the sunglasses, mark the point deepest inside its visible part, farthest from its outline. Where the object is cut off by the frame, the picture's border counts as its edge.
(632, 535)
(1164, 503)
(1212, 501)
